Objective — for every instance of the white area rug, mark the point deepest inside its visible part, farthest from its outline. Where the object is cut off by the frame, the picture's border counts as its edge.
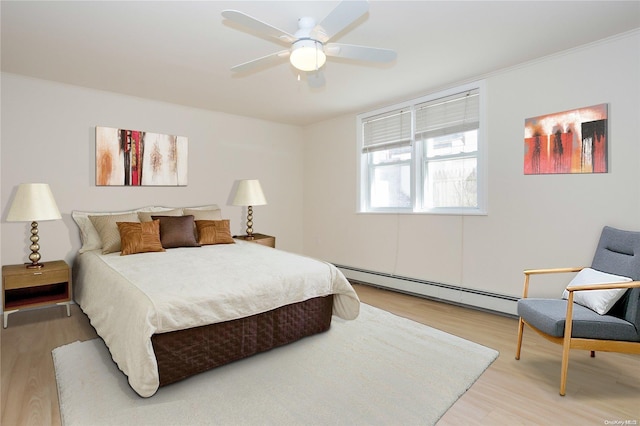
(379, 369)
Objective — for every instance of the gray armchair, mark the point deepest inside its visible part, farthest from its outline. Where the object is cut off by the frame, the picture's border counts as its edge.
(577, 327)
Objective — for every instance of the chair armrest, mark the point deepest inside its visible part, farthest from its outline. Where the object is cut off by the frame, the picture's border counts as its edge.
(552, 270)
(529, 272)
(571, 289)
(629, 284)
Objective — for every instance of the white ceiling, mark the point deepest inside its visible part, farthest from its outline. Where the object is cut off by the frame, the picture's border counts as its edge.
(181, 51)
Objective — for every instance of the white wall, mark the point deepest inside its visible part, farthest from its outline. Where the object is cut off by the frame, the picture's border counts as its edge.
(309, 175)
(48, 135)
(533, 221)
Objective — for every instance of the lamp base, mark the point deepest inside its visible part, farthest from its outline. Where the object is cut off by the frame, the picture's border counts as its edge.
(34, 257)
(249, 223)
(34, 265)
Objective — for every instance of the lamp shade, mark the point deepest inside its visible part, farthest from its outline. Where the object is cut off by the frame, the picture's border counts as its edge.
(249, 193)
(33, 202)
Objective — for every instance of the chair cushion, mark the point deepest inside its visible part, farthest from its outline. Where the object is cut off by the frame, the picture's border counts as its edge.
(548, 316)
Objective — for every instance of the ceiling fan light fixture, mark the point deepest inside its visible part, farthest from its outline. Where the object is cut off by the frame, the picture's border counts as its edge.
(307, 55)
(309, 47)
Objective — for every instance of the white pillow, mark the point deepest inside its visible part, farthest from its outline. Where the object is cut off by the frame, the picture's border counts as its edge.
(146, 216)
(597, 300)
(88, 234)
(107, 227)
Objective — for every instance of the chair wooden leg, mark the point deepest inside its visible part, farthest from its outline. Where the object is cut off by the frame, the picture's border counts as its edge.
(566, 344)
(520, 331)
(565, 367)
(593, 354)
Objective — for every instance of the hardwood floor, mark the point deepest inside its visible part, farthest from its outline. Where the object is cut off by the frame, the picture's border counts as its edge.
(29, 393)
(600, 390)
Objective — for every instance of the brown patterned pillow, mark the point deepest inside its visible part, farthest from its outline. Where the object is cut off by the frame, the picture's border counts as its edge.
(139, 237)
(214, 232)
(176, 231)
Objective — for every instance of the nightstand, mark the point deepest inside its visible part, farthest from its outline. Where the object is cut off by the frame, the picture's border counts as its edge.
(265, 240)
(27, 288)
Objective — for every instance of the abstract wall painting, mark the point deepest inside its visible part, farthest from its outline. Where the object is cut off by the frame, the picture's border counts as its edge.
(567, 142)
(136, 158)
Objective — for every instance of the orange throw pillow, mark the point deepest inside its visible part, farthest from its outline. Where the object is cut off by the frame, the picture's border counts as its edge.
(214, 232)
(139, 237)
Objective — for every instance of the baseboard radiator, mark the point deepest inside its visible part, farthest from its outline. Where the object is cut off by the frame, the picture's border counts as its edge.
(473, 298)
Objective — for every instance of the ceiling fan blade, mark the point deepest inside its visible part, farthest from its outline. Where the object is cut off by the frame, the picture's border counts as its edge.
(257, 25)
(361, 53)
(341, 17)
(259, 62)
(315, 79)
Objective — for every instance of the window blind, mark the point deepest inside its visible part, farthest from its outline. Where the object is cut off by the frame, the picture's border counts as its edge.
(452, 114)
(385, 131)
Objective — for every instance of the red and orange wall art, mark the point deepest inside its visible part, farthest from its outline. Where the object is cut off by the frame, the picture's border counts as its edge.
(567, 142)
(136, 158)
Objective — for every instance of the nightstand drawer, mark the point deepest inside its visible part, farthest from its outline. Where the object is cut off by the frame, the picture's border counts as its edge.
(35, 278)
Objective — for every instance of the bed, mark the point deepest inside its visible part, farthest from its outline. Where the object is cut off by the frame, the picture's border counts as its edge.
(170, 314)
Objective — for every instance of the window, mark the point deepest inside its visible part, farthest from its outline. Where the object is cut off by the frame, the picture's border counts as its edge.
(424, 156)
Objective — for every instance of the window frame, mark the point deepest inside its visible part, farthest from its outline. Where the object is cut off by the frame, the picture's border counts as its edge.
(418, 158)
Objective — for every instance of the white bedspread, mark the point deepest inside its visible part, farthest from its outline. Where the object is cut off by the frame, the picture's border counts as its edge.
(130, 298)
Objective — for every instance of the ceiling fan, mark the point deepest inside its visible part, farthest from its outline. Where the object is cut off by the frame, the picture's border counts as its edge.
(310, 46)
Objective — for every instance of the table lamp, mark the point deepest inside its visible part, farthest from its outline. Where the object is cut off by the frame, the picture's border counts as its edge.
(249, 194)
(33, 202)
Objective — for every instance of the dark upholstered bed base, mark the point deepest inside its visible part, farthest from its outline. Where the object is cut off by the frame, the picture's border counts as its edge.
(181, 354)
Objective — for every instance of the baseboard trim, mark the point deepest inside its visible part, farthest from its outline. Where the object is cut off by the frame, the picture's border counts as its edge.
(479, 299)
